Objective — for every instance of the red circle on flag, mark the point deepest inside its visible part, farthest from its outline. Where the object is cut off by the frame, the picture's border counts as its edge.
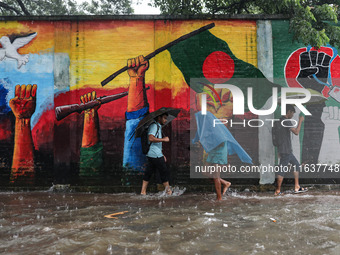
(218, 67)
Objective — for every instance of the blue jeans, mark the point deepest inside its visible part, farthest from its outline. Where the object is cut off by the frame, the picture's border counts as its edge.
(285, 159)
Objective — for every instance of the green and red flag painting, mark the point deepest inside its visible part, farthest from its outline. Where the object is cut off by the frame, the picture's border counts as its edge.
(208, 57)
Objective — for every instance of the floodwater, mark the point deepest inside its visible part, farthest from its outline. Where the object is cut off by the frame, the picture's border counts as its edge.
(243, 223)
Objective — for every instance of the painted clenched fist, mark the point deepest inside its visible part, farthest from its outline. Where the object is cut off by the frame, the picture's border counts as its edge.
(24, 103)
(137, 66)
(314, 70)
(88, 98)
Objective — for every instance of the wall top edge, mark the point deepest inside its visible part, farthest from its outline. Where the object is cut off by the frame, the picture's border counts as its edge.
(143, 17)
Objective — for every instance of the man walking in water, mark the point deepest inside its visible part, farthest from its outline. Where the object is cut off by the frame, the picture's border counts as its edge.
(156, 159)
(285, 149)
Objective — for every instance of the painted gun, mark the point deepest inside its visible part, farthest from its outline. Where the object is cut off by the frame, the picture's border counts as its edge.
(65, 110)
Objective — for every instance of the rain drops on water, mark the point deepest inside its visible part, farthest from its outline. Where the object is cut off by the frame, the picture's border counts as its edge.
(109, 248)
(259, 246)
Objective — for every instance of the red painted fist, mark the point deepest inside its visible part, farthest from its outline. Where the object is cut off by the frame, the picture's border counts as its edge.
(24, 102)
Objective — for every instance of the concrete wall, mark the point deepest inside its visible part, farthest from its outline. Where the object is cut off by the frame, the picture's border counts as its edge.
(68, 58)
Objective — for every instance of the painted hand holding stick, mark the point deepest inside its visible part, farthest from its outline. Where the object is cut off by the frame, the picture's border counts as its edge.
(137, 98)
(91, 121)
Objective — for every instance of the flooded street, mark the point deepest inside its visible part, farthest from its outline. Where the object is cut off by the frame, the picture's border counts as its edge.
(243, 223)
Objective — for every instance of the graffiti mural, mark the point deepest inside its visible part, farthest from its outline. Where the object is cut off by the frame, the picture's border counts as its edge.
(23, 106)
(59, 124)
(10, 49)
(64, 61)
(317, 69)
(27, 91)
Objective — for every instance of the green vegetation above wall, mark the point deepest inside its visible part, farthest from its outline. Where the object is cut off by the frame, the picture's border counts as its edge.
(64, 7)
(308, 18)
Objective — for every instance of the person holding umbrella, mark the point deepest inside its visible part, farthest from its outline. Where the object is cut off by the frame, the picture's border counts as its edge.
(152, 124)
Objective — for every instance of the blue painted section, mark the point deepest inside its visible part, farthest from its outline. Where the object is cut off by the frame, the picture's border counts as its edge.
(133, 157)
(4, 93)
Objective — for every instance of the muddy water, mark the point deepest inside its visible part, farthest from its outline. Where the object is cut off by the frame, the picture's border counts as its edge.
(74, 223)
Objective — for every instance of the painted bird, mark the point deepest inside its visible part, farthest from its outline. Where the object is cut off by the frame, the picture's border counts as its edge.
(9, 49)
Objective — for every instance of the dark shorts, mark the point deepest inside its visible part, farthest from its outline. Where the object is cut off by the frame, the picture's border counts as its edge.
(154, 165)
(285, 160)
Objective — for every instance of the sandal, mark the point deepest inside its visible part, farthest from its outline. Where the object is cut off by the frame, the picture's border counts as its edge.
(301, 190)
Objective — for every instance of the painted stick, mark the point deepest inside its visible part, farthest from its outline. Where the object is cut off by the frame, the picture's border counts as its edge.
(159, 50)
(65, 110)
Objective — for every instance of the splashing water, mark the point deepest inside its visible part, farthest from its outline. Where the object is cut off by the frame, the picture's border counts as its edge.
(74, 223)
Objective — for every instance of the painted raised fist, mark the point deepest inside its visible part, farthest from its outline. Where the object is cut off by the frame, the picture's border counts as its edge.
(314, 70)
(330, 142)
(88, 98)
(137, 66)
(24, 103)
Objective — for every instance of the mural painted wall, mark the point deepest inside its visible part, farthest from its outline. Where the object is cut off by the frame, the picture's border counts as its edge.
(319, 139)
(46, 65)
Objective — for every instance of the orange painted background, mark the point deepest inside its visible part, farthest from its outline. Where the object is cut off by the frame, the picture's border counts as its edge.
(67, 59)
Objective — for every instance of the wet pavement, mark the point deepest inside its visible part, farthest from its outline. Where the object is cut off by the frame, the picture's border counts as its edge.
(243, 223)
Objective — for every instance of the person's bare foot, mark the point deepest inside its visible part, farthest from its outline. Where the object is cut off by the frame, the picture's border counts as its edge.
(277, 192)
(225, 188)
(168, 190)
(143, 193)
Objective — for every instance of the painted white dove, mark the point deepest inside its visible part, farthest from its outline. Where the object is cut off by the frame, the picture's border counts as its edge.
(9, 49)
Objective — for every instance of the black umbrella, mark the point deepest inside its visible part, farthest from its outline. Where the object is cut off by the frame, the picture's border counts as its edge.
(148, 119)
